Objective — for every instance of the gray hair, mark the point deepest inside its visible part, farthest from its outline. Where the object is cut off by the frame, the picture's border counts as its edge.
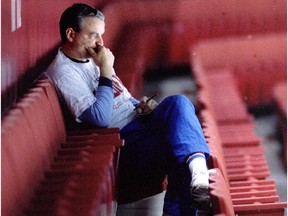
(73, 16)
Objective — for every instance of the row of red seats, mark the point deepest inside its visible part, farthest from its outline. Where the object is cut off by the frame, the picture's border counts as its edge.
(165, 36)
(187, 22)
(46, 171)
(258, 63)
(241, 183)
(197, 20)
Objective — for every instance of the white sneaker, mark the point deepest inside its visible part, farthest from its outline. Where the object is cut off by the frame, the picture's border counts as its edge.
(199, 189)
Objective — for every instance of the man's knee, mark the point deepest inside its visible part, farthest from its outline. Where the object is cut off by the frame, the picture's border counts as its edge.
(179, 101)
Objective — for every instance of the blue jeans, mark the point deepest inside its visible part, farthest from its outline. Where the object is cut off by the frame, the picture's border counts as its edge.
(157, 145)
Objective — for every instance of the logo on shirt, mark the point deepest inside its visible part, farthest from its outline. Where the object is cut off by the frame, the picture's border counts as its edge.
(118, 87)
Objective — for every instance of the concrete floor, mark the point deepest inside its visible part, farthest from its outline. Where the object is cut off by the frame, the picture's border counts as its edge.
(265, 128)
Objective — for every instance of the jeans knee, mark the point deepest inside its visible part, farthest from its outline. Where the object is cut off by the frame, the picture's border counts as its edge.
(180, 100)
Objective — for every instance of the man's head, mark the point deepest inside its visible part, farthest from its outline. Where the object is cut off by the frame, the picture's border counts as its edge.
(74, 16)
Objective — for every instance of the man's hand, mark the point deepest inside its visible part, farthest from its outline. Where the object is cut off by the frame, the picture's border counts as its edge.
(104, 58)
(146, 106)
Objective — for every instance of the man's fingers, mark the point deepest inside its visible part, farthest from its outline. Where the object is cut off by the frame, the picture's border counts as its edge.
(143, 101)
(91, 51)
(150, 106)
(94, 51)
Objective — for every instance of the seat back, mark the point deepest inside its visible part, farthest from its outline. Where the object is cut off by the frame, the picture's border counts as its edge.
(220, 195)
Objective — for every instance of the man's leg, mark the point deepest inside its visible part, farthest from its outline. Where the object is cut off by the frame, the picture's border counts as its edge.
(179, 134)
(142, 165)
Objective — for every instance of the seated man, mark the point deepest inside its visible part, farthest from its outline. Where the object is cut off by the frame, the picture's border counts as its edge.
(160, 139)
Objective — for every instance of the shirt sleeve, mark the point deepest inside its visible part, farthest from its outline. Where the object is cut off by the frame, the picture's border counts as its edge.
(100, 112)
(134, 101)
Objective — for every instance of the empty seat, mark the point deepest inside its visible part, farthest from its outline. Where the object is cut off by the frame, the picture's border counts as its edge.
(258, 62)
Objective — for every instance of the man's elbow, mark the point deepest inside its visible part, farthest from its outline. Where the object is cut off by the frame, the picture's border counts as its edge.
(98, 120)
(103, 123)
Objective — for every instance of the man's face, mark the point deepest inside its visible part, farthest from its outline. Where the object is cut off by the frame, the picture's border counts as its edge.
(91, 34)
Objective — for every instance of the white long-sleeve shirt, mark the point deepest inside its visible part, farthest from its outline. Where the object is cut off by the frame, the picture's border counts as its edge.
(78, 85)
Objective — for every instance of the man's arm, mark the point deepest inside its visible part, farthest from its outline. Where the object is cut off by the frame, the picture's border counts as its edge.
(100, 112)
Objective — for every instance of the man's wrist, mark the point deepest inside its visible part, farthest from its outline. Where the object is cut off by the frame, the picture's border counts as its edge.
(104, 81)
(106, 71)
